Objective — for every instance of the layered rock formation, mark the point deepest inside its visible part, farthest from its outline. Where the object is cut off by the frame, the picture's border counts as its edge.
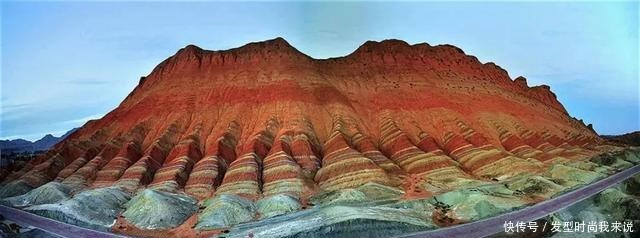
(263, 133)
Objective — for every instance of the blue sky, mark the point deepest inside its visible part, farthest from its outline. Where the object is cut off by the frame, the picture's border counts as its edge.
(66, 62)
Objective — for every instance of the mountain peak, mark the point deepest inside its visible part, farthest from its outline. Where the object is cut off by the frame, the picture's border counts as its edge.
(276, 42)
(190, 49)
(383, 45)
(388, 46)
(22, 145)
(274, 46)
(192, 58)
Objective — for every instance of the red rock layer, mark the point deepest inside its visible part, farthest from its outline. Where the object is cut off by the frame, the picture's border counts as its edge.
(365, 145)
(112, 171)
(536, 141)
(304, 147)
(515, 145)
(399, 148)
(429, 144)
(344, 167)
(244, 177)
(280, 173)
(207, 173)
(82, 177)
(176, 169)
(128, 154)
(142, 171)
(478, 157)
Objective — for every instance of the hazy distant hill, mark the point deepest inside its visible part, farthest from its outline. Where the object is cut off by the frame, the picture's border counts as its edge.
(22, 145)
(632, 138)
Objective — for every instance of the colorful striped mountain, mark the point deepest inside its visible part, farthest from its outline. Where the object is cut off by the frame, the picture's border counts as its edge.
(263, 135)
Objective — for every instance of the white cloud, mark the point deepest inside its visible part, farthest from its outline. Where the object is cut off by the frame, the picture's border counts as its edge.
(83, 119)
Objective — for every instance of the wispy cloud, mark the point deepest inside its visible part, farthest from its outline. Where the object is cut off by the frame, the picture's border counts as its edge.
(12, 111)
(16, 106)
(83, 120)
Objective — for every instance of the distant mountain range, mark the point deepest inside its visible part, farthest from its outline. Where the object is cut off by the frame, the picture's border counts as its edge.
(22, 145)
(632, 138)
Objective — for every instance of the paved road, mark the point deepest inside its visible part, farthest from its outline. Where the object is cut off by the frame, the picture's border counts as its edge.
(495, 224)
(50, 225)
